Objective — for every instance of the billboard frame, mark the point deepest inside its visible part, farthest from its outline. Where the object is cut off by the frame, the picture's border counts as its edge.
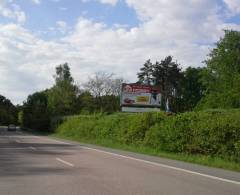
(146, 93)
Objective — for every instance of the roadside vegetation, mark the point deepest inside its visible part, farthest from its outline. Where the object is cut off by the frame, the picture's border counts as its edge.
(207, 137)
(204, 126)
(8, 112)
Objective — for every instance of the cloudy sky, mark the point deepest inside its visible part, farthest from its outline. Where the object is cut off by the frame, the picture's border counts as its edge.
(103, 35)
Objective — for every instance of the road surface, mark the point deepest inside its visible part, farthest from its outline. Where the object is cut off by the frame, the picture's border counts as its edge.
(37, 165)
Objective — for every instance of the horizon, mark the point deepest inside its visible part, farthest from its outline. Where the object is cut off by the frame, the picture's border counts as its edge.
(103, 35)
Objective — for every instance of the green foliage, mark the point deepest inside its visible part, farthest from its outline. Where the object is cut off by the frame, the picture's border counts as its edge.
(86, 103)
(145, 75)
(120, 127)
(192, 88)
(212, 133)
(62, 96)
(167, 74)
(222, 77)
(45, 110)
(35, 114)
(62, 99)
(20, 118)
(182, 90)
(110, 104)
(63, 73)
(8, 112)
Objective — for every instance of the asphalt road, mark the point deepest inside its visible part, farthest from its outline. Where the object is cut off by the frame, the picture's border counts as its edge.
(39, 165)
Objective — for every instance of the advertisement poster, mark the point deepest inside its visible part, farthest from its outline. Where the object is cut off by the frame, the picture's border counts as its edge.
(136, 95)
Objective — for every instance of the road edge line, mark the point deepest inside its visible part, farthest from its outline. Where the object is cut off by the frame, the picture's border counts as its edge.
(165, 166)
(65, 162)
(156, 164)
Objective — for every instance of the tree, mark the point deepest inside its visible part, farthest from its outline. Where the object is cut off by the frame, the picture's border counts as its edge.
(63, 73)
(145, 75)
(222, 76)
(8, 112)
(165, 74)
(35, 113)
(99, 84)
(103, 86)
(62, 96)
(192, 88)
(86, 102)
(168, 76)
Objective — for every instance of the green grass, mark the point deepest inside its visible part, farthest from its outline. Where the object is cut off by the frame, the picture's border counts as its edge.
(210, 138)
(196, 159)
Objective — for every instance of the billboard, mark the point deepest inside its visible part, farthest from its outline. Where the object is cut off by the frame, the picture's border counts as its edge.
(137, 95)
(139, 109)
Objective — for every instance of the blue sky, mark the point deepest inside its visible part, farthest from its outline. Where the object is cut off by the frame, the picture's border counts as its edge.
(44, 15)
(115, 36)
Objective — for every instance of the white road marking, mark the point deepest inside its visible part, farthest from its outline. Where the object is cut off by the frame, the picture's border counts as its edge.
(57, 141)
(65, 162)
(13, 148)
(52, 140)
(158, 164)
(19, 137)
(166, 166)
(33, 148)
(18, 141)
(36, 137)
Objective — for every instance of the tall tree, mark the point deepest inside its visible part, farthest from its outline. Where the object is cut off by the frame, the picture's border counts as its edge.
(146, 73)
(63, 73)
(165, 74)
(8, 112)
(168, 76)
(62, 96)
(192, 88)
(35, 112)
(222, 76)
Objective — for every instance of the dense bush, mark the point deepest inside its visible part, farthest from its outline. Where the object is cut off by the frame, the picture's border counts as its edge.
(209, 132)
(213, 132)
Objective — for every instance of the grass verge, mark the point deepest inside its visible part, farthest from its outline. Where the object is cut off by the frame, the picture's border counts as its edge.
(205, 160)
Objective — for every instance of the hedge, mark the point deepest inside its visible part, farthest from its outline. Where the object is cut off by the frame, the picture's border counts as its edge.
(212, 132)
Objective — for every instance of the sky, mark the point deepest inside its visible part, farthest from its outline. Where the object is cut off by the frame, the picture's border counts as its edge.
(114, 36)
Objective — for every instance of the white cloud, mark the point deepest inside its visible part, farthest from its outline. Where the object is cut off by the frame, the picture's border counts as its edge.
(27, 62)
(63, 8)
(9, 9)
(111, 2)
(36, 1)
(62, 26)
(233, 5)
(12, 11)
(185, 29)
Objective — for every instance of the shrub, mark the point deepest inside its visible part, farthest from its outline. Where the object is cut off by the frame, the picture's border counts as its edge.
(212, 132)
(215, 133)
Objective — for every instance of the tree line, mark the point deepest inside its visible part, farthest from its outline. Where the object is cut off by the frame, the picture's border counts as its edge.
(8, 112)
(217, 85)
(99, 94)
(182, 89)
